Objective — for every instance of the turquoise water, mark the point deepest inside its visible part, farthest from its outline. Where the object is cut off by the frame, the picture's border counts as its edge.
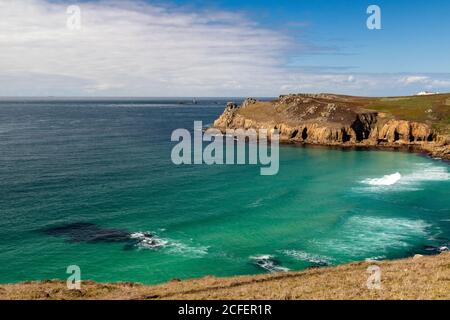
(105, 166)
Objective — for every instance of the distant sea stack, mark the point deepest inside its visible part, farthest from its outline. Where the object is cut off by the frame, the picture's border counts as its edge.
(420, 123)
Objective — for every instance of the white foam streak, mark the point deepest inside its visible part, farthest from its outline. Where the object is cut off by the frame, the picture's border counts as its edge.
(308, 257)
(411, 181)
(148, 240)
(267, 262)
(387, 180)
(361, 236)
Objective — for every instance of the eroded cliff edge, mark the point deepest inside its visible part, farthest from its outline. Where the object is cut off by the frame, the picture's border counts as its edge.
(417, 122)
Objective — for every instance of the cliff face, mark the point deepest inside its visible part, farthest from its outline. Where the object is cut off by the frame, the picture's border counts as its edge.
(333, 120)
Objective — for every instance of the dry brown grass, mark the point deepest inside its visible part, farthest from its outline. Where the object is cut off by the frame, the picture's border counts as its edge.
(421, 278)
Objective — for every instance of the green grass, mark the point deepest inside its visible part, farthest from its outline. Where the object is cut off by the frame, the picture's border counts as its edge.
(433, 109)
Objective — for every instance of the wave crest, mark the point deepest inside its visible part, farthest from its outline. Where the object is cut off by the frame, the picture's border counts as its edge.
(407, 181)
(387, 180)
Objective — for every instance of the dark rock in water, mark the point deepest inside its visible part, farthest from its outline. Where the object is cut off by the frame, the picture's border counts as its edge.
(430, 248)
(147, 240)
(320, 264)
(92, 233)
(269, 263)
(435, 250)
(88, 232)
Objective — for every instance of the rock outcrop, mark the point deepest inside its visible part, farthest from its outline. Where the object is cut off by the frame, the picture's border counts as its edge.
(330, 120)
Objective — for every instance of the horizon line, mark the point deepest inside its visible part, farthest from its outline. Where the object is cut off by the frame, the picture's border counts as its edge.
(208, 97)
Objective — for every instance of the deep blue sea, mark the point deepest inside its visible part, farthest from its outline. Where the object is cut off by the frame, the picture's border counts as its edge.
(91, 183)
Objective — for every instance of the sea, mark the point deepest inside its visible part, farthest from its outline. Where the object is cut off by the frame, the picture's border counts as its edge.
(90, 183)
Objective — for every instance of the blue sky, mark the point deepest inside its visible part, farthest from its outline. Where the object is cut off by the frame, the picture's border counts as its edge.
(415, 35)
(223, 48)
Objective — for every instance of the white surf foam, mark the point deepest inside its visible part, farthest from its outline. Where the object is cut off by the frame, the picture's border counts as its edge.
(308, 257)
(267, 262)
(387, 180)
(148, 240)
(179, 248)
(361, 237)
(426, 172)
(408, 181)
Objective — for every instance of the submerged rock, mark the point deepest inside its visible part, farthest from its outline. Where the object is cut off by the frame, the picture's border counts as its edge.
(87, 232)
(92, 233)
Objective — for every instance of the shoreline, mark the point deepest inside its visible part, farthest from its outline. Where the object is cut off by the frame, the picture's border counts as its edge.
(414, 149)
(419, 277)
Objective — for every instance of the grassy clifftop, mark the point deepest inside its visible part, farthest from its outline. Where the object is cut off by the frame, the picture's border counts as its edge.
(433, 110)
(418, 123)
(423, 277)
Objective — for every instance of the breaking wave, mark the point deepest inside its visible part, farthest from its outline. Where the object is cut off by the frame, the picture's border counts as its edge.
(408, 181)
(387, 180)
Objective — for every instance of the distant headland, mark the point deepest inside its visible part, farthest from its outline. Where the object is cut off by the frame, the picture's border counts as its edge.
(418, 123)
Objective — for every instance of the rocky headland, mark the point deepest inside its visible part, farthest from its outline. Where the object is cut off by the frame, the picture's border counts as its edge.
(417, 123)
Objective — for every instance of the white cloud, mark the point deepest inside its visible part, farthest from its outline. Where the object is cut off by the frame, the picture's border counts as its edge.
(414, 79)
(440, 83)
(130, 48)
(135, 48)
(427, 82)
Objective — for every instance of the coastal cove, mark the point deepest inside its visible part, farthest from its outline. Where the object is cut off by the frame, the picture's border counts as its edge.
(91, 183)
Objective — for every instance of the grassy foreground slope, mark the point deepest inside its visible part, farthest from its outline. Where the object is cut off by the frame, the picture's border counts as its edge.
(426, 277)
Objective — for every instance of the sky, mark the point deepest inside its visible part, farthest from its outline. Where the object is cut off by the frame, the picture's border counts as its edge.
(260, 48)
